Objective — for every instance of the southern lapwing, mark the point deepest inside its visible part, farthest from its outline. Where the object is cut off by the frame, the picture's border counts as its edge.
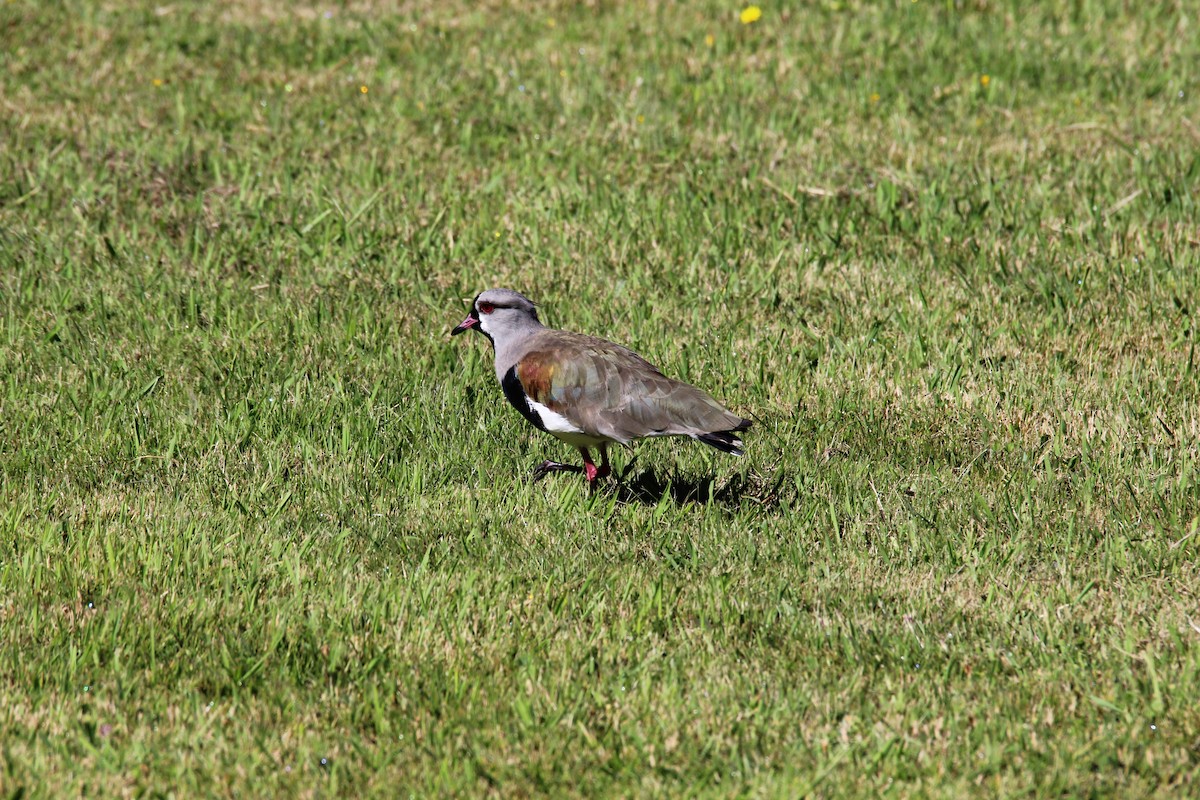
(589, 392)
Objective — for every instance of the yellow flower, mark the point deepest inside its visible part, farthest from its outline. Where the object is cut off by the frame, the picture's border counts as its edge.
(750, 14)
(710, 40)
(874, 97)
(551, 22)
(984, 80)
(363, 89)
(158, 81)
(640, 119)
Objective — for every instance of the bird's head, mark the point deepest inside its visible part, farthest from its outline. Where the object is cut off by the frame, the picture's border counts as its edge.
(497, 313)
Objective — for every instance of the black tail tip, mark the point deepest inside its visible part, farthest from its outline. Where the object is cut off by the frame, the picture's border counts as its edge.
(726, 441)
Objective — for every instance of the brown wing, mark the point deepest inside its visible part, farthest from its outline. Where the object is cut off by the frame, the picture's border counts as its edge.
(608, 390)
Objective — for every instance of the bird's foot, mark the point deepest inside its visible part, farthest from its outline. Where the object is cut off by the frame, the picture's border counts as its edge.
(546, 467)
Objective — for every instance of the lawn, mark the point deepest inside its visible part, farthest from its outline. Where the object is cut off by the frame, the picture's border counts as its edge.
(266, 530)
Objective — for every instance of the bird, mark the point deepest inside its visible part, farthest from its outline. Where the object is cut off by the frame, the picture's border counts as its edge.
(589, 392)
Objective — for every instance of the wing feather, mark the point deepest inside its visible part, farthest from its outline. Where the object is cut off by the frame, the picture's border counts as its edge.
(610, 391)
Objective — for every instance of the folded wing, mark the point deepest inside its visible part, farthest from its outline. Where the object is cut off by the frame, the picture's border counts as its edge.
(610, 391)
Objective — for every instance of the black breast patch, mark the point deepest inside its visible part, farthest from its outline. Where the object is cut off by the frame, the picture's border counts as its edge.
(514, 392)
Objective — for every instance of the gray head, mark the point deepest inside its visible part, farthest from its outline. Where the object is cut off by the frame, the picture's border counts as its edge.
(500, 313)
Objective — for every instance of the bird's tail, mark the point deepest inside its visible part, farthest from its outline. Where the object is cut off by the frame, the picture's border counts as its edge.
(726, 441)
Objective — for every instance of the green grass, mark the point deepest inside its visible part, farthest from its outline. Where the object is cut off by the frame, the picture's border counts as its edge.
(266, 530)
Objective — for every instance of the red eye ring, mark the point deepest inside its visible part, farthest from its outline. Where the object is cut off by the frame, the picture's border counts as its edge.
(486, 308)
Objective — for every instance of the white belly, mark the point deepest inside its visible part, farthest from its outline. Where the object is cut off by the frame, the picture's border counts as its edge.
(581, 439)
(562, 428)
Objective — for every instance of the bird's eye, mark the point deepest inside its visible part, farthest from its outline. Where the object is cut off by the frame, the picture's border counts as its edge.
(486, 308)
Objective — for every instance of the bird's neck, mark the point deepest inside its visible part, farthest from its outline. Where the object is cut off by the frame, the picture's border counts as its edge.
(514, 343)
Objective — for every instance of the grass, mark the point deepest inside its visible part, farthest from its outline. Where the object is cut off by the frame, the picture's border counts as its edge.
(266, 530)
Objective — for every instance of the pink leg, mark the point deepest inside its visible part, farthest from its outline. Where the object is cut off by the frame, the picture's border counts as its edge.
(589, 468)
(604, 470)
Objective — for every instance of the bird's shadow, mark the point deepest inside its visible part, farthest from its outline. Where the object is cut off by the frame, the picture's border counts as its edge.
(649, 488)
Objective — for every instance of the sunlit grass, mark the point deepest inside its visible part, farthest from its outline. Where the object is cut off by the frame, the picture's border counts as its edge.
(267, 530)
